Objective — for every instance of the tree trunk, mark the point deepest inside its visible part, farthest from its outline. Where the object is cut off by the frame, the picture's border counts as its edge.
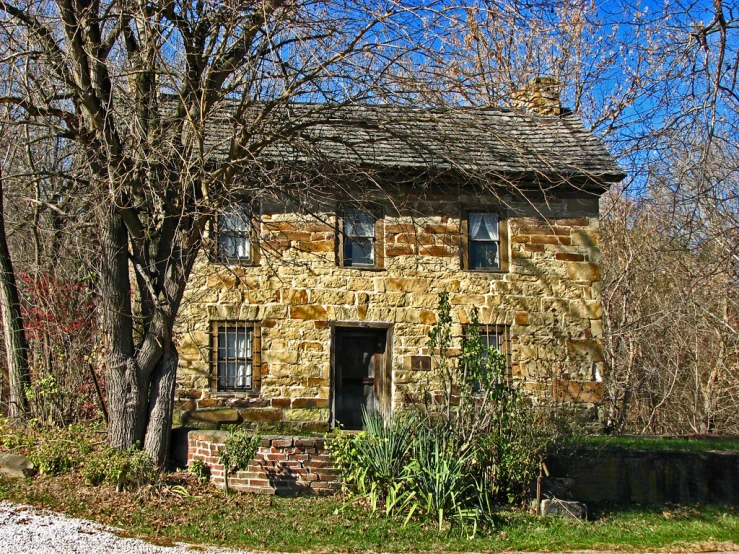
(16, 346)
(161, 405)
(127, 384)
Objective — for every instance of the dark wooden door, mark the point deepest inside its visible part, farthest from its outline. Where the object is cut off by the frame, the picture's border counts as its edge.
(359, 370)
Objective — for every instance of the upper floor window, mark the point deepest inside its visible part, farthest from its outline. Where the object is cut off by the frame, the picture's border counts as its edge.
(234, 232)
(359, 238)
(484, 236)
(484, 240)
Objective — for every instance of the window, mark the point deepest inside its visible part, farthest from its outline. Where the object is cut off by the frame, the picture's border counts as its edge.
(484, 240)
(359, 243)
(235, 235)
(235, 355)
(497, 336)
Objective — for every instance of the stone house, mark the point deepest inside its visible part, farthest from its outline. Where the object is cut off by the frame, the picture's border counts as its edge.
(304, 312)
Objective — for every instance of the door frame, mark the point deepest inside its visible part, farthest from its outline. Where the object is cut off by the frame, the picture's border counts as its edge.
(385, 376)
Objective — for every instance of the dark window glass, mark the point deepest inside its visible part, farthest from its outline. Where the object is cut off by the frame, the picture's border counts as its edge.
(234, 357)
(491, 337)
(359, 237)
(484, 241)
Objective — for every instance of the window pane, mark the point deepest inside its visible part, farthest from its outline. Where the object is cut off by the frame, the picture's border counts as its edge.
(359, 223)
(233, 234)
(222, 377)
(483, 226)
(231, 246)
(233, 220)
(483, 255)
(359, 251)
(234, 353)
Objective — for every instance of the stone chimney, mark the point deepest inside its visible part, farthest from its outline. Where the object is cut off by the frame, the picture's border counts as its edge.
(539, 96)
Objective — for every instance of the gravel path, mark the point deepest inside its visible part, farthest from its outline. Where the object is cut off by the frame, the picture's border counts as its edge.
(25, 530)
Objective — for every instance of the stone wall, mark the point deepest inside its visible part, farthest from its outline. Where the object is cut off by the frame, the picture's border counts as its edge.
(549, 298)
(283, 465)
(646, 477)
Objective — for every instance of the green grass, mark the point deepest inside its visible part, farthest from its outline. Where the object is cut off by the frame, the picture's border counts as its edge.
(325, 524)
(661, 443)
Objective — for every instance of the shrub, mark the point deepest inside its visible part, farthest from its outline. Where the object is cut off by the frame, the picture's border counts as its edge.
(53, 457)
(61, 326)
(95, 468)
(345, 450)
(239, 449)
(125, 469)
(201, 470)
(14, 436)
(51, 450)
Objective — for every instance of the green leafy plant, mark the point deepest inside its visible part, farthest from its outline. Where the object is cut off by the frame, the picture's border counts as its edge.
(344, 448)
(53, 457)
(441, 479)
(54, 450)
(125, 469)
(385, 446)
(239, 449)
(201, 470)
(95, 468)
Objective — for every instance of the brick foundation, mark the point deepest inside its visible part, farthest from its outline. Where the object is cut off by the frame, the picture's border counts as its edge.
(285, 466)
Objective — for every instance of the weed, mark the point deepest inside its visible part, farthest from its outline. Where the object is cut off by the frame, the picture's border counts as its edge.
(201, 470)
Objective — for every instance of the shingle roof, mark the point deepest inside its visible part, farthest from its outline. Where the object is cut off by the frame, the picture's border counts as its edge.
(491, 140)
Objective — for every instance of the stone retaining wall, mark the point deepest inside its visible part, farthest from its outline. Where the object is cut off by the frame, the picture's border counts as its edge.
(647, 477)
(283, 465)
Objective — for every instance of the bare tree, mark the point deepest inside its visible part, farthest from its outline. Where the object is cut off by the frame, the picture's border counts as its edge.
(136, 88)
(16, 346)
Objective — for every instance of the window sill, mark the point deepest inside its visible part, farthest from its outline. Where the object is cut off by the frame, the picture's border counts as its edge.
(232, 262)
(363, 267)
(234, 393)
(489, 270)
(236, 263)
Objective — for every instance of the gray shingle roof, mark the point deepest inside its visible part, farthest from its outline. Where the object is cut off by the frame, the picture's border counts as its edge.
(489, 140)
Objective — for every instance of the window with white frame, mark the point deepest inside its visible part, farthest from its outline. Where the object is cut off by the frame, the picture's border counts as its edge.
(234, 235)
(359, 237)
(484, 240)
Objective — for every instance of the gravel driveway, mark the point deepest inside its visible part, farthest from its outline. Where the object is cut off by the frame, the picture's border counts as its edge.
(25, 530)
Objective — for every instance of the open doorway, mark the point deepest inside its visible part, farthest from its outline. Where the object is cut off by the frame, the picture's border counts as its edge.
(361, 369)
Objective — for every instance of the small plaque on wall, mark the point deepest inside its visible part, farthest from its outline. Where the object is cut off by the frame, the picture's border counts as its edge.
(421, 363)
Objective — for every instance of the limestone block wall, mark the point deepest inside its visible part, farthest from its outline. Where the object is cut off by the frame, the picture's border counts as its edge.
(549, 298)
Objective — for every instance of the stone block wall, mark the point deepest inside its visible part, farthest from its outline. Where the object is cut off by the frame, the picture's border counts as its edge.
(549, 299)
(646, 477)
(283, 465)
